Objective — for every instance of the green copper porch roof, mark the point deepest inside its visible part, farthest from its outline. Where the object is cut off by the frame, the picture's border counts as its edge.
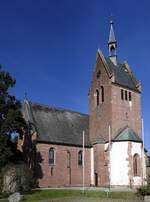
(128, 134)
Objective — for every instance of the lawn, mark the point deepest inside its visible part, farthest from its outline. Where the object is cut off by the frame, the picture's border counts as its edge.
(53, 194)
(65, 194)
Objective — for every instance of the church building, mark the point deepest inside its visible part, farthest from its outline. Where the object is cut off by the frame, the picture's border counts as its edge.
(113, 153)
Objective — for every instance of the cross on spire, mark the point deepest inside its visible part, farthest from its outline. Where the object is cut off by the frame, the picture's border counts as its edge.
(25, 96)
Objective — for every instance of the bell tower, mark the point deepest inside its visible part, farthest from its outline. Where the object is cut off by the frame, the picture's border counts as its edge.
(112, 44)
(115, 116)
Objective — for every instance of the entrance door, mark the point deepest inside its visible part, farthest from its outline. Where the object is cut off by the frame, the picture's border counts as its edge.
(96, 179)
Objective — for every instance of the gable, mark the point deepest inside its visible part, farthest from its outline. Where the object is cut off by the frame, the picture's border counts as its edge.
(102, 69)
(104, 63)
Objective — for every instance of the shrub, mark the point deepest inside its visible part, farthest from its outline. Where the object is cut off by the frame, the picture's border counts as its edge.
(148, 176)
(144, 190)
(1, 182)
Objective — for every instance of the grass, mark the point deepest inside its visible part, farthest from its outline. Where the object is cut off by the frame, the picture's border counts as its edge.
(3, 197)
(63, 193)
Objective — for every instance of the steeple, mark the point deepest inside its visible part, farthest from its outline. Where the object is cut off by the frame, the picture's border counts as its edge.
(112, 44)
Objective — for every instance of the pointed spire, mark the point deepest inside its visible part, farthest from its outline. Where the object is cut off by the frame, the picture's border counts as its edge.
(111, 34)
(112, 44)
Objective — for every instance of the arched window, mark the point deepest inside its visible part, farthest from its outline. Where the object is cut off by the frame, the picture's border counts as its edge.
(112, 51)
(126, 95)
(97, 97)
(68, 159)
(130, 97)
(102, 93)
(136, 165)
(122, 94)
(52, 156)
(80, 158)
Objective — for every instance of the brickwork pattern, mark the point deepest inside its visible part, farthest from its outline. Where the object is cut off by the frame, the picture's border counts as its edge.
(61, 174)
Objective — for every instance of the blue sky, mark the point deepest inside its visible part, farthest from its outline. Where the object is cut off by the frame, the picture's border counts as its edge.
(49, 46)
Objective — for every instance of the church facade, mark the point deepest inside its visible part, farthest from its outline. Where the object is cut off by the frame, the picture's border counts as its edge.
(113, 153)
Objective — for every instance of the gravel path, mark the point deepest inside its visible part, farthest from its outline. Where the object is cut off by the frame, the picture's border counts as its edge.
(90, 200)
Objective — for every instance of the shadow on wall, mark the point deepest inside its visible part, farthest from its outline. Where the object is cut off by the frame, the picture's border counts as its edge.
(32, 157)
(38, 169)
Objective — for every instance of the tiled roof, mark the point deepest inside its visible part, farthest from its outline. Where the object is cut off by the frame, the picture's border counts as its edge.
(55, 125)
(122, 75)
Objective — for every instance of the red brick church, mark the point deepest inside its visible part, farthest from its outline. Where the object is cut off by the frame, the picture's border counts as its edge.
(113, 152)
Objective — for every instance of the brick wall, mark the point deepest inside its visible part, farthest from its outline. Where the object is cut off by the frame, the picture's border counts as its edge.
(114, 111)
(100, 116)
(125, 113)
(101, 160)
(62, 175)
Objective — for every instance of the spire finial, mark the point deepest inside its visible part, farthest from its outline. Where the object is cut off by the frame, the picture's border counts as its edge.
(111, 19)
(25, 96)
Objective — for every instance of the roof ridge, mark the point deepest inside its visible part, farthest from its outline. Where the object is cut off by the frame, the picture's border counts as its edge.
(57, 108)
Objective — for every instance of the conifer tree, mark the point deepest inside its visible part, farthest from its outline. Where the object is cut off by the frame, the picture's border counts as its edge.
(11, 119)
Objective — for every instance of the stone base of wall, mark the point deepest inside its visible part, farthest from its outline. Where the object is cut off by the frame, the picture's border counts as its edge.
(147, 198)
